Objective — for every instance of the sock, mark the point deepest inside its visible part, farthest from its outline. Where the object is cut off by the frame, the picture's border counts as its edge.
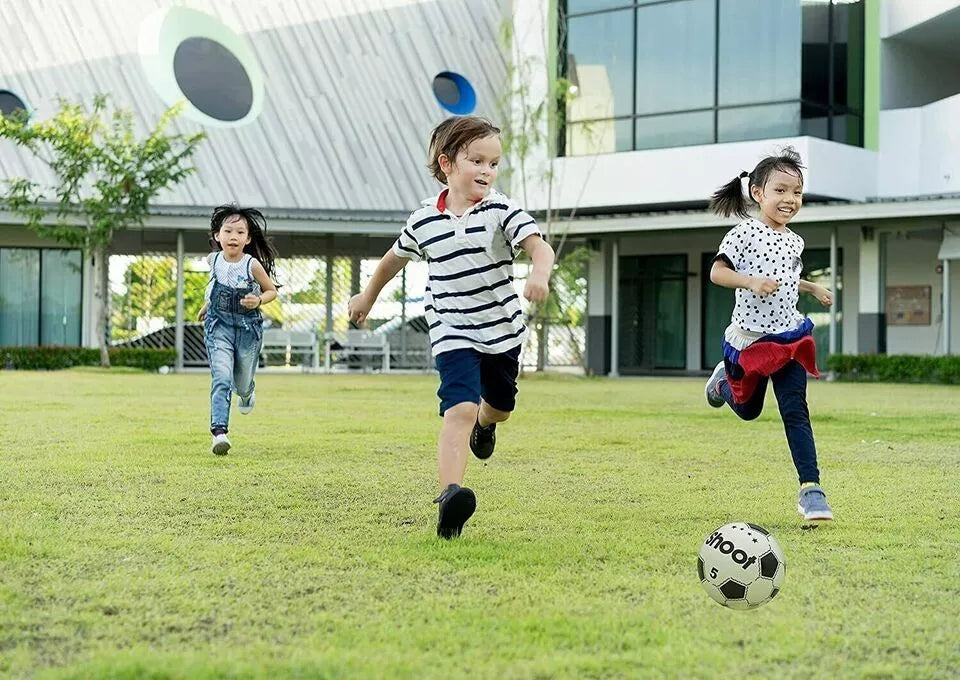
(218, 430)
(806, 484)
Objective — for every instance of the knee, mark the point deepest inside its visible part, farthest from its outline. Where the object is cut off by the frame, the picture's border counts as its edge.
(495, 415)
(749, 415)
(464, 414)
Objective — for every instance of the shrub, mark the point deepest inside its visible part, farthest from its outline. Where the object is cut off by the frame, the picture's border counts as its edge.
(53, 358)
(905, 368)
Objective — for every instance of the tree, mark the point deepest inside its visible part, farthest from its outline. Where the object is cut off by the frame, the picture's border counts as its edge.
(531, 126)
(103, 179)
(151, 292)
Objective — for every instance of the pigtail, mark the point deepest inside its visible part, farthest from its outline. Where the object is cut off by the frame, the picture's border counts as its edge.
(260, 246)
(729, 199)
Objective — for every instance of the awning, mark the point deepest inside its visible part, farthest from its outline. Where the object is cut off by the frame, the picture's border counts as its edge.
(950, 248)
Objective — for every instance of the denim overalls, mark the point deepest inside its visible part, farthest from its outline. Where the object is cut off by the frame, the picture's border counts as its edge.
(233, 336)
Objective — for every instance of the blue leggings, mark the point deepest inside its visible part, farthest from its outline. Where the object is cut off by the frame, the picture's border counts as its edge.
(790, 388)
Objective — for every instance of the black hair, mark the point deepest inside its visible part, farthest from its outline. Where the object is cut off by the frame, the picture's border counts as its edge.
(260, 246)
(730, 199)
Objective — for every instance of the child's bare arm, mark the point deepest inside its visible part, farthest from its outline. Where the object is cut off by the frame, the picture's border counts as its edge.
(822, 294)
(359, 306)
(541, 254)
(722, 275)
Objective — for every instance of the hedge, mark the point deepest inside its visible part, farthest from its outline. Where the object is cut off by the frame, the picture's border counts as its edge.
(52, 358)
(903, 368)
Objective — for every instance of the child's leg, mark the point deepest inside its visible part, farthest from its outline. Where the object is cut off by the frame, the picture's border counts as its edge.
(452, 447)
(220, 354)
(247, 358)
(498, 381)
(790, 387)
(459, 394)
(750, 409)
(488, 415)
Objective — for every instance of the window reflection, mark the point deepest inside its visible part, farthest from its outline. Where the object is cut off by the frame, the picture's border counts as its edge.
(663, 73)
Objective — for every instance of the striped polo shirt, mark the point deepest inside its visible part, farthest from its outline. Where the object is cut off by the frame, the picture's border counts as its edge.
(470, 300)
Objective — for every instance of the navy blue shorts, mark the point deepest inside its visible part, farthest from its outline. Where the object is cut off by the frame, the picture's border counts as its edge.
(468, 375)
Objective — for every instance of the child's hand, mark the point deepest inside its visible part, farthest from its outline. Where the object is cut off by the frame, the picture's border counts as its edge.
(358, 308)
(536, 289)
(250, 301)
(763, 287)
(822, 294)
(202, 314)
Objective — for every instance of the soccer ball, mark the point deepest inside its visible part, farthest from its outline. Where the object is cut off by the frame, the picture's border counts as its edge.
(741, 566)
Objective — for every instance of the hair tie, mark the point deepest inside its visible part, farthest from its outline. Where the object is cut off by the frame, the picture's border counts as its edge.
(743, 174)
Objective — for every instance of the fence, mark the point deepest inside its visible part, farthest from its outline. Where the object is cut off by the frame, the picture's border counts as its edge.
(312, 303)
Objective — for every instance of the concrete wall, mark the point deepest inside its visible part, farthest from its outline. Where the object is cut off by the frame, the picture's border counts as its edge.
(912, 261)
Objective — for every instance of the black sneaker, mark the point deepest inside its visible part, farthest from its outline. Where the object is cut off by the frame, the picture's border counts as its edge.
(457, 505)
(483, 440)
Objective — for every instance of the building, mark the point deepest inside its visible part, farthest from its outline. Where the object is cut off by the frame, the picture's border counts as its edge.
(319, 113)
(316, 112)
(675, 97)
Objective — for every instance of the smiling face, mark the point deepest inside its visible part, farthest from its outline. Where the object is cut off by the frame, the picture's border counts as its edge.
(475, 169)
(233, 235)
(779, 199)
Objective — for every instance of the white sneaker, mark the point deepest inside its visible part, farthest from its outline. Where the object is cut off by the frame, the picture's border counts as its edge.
(220, 444)
(246, 405)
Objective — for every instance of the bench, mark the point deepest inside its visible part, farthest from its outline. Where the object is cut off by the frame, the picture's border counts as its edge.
(358, 348)
(291, 344)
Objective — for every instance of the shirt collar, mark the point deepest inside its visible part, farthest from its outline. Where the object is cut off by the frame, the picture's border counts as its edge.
(440, 200)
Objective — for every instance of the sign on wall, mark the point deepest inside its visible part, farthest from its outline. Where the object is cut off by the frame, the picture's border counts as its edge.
(908, 305)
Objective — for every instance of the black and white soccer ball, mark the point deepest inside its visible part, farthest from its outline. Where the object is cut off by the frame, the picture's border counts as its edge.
(741, 566)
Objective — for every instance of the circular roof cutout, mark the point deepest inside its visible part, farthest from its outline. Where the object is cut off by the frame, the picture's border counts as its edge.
(193, 56)
(213, 79)
(11, 103)
(454, 93)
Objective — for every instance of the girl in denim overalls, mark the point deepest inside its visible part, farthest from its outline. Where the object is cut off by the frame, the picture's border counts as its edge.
(241, 273)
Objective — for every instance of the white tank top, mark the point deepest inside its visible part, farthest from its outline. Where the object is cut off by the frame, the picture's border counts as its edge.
(232, 274)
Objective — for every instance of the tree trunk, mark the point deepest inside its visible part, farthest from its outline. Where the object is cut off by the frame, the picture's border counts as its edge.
(102, 292)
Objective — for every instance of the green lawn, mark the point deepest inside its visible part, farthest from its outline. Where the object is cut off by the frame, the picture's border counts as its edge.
(128, 550)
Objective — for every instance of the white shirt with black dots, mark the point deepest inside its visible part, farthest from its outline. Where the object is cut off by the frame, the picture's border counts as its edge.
(754, 249)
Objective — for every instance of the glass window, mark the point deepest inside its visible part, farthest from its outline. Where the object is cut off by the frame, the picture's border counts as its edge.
(815, 120)
(758, 122)
(19, 297)
(599, 136)
(675, 56)
(759, 51)
(600, 64)
(847, 129)
(577, 6)
(60, 290)
(676, 129)
(815, 52)
(848, 46)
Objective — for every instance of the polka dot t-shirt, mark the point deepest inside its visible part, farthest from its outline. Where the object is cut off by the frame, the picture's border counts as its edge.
(754, 249)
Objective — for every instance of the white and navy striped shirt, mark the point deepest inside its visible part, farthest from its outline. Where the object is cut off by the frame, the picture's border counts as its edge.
(470, 300)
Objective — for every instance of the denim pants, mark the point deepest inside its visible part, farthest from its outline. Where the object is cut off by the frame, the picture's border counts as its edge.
(790, 388)
(233, 336)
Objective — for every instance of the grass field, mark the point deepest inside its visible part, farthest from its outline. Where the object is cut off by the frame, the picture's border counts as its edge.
(128, 550)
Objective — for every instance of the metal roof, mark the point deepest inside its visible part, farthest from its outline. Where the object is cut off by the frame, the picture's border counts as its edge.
(347, 97)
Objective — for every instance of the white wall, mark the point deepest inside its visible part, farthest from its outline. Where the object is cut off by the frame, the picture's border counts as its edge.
(919, 150)
(914, 76)
(897, 16)
(913, 262)
(692, 173)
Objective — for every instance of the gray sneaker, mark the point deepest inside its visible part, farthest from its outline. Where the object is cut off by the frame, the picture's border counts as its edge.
(245, 404)
(812, 504)
(712, 389)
